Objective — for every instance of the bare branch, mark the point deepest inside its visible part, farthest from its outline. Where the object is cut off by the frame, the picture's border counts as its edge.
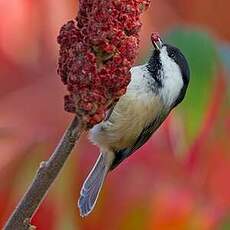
(46, 174)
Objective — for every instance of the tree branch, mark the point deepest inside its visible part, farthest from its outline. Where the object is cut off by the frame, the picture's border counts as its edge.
(46, 174)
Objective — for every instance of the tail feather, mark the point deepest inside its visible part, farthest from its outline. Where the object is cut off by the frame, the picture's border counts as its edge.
(92, 186)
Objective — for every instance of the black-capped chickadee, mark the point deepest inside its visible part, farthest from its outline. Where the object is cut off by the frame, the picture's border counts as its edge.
(155, 89)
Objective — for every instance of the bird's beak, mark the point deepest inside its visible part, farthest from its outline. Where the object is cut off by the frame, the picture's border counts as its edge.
(158, 44)
(156, 40)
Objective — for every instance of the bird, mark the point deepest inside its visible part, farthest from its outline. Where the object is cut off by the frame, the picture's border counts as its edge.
(156, 87)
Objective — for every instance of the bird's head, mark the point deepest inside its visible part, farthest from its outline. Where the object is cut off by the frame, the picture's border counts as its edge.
(166, 57)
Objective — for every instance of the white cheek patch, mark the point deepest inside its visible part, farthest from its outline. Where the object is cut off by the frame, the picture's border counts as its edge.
(172, 82)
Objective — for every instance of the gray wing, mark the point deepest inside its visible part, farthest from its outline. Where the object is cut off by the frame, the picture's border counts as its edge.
(109, 112)
(141, 140)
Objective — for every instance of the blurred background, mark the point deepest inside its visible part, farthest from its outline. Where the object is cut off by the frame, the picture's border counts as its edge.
(178, 181)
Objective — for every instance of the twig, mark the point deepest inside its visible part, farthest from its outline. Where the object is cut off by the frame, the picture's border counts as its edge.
(47, 172)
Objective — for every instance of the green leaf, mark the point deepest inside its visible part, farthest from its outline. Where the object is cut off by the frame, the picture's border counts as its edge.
(225, 224)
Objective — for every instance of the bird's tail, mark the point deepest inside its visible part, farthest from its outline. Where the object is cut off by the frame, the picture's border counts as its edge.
(92, 185)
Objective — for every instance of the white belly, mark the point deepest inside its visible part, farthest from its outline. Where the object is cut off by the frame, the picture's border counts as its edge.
(135, 110)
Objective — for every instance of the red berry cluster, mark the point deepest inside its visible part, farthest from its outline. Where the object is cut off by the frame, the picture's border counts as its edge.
(97, 51)
(155, 37)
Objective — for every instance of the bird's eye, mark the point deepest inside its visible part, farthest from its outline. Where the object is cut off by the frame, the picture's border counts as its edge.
(172, 55)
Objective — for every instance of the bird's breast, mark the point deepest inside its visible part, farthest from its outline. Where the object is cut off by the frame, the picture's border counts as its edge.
(134, 111)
